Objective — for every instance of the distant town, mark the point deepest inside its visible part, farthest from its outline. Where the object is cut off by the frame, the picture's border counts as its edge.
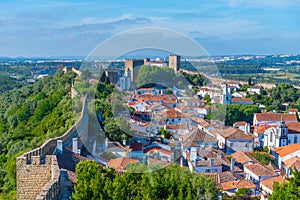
(165, 124)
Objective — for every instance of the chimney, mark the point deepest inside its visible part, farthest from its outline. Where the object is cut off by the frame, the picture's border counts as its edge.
(181, 161)
(75, 145)
(59, 146)
(106, 143)
(94, 147)
(232, 165)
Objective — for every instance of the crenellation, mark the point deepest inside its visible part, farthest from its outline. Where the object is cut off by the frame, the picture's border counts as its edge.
(38, 172)
(36, 160)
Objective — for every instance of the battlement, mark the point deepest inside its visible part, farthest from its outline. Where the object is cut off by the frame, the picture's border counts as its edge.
(37, 177)
(38, 171)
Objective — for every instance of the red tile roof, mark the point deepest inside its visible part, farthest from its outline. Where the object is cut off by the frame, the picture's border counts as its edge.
(285, 150)
(293, 110)
(260, 129)
(237, 184)
(268, 183)
(294, 127)
(260, 170)
(270, 116)
(293, 162)
(156, 148)
(241, 157)
(120, 163)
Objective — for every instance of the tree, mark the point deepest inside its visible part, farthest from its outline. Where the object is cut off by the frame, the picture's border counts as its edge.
(287, 190)
(243, 194)
(93, 182)
(154, 182)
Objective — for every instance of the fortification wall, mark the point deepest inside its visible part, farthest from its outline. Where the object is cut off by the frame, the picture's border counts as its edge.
(38, 171)
(32, 178)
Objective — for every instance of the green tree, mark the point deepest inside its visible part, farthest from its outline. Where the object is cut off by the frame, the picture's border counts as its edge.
(287, 190)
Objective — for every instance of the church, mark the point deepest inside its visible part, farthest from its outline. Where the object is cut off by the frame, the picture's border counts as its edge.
(282, 134)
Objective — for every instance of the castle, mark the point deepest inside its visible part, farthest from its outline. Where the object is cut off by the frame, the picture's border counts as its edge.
(132, 64)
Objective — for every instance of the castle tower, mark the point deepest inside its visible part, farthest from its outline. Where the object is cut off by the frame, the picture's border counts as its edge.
(174, 62)
(132, 65)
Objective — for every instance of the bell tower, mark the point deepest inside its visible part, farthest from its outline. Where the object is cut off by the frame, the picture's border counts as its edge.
(281, 138)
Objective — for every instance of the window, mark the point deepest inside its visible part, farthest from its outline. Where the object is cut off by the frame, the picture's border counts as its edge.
(271, 136)
(295, 140)
(231, 145)
(247, 145)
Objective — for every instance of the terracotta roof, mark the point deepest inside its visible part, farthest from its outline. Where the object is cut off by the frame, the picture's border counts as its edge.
(293, 162)
(269, 182)
(226, 176)
(241, 99)
(172, 113)
(240, 123)
(214, 176)
(260, 170)
(176, 126)
(285, 150)
(202, 122)
(293, 110)
(132, 103)
(201, 136)
(260, 129)
(294, 127)
(212, 161)
(237, 184)
(156, 148)
(241, 157)
(270, 116)
(120, 163)
(220, 177)
(232, 133)
(209, 153)
(152, 161)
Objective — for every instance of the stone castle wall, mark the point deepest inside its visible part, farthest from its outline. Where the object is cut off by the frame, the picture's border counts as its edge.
(38, 170)
(41, 176)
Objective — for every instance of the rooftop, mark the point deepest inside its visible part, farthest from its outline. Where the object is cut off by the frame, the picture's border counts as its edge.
(293, 162)
(268, 183)
(241, 157)
(270, 116)
(237, 184)
(285, 150)
(260, 170)
(120, 163)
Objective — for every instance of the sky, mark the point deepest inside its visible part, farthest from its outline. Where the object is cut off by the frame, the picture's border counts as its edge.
(223, 27)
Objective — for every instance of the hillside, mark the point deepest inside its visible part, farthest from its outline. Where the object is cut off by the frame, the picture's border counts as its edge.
(29, 116)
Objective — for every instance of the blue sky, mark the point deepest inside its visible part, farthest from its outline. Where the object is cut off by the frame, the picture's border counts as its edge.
(74, 28)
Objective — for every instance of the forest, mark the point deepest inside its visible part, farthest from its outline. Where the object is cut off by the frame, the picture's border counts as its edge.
(30, 115)
(172, 182)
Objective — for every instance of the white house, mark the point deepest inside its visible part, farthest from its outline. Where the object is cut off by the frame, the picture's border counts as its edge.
(258, 172)
(267, 186)
(254, 89)
(284, 153)
(233, 139)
